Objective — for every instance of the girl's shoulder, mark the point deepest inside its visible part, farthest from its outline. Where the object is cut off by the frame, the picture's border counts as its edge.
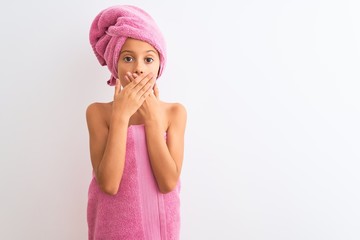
(100, 104)
(100, 111)
(99, 107)
(175, 112)
(167, 106)
(172, 106)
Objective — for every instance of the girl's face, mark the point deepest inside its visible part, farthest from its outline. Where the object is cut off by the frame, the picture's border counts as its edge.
(137, 57)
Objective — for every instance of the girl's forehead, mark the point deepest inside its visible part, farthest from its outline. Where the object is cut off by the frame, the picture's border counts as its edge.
(135, 44)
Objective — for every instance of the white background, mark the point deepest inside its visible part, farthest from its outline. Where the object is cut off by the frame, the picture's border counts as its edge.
(272, 94)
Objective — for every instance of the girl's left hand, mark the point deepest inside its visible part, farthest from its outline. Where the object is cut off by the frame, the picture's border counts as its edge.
(150, 109)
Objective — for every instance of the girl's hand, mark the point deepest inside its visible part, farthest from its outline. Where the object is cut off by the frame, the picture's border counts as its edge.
(128, 100)
(150, 110)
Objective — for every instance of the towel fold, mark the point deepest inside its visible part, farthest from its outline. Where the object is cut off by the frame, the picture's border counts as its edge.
(113, 25)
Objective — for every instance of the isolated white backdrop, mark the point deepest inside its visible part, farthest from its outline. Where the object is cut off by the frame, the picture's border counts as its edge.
(272, 94)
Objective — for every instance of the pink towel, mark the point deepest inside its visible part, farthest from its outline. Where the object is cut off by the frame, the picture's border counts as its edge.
(139, 211)
(112, 26)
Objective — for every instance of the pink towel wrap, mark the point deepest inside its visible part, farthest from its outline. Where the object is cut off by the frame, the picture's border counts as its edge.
(112, 26)
(139, 211)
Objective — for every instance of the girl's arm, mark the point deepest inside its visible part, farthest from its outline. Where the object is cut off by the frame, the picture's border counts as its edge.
(107, 147)
(108, 144)
(166, 157)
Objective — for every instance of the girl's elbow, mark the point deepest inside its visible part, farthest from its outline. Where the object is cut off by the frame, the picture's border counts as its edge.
(110, 189)
(167, 187)
(108, 185)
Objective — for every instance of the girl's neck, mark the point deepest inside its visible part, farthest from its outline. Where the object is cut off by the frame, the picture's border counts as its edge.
(136, 119)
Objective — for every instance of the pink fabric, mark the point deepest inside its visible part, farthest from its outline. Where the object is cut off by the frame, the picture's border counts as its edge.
(139, 211)
(113, 25)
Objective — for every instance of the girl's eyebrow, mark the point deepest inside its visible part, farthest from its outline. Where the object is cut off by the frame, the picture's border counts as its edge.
(134, 52)
(151, 51)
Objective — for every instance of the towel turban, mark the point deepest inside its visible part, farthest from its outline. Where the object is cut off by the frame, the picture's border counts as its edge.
(112, 26)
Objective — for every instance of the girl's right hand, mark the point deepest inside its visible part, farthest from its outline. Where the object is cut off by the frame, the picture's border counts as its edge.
(131, 97)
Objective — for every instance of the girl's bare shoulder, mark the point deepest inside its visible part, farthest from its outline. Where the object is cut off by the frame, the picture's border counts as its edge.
(99, 107)
(172, 106)
(174, 111)
(100, 111)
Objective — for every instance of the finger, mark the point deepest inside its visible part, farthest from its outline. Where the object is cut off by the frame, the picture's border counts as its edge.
(146, 93)
(117, 87)
(146, 90)
(143, 82)
(152, 95)
(134, 78)
(130, 76)
(135, 75)
(156, 91)
(127, 79)
(131, 83)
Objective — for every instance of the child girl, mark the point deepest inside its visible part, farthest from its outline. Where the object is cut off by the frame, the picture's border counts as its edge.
(137, 140)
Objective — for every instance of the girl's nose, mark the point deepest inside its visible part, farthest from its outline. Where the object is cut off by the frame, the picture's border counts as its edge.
(139, 68)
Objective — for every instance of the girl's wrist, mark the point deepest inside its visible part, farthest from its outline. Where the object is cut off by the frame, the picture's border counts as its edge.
(153, 123)
(119, 116)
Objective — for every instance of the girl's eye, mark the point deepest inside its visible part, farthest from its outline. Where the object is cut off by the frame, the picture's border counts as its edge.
(127, 59)
(149, 60)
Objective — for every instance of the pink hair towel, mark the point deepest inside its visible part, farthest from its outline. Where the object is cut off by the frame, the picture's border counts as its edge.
(113, 25)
